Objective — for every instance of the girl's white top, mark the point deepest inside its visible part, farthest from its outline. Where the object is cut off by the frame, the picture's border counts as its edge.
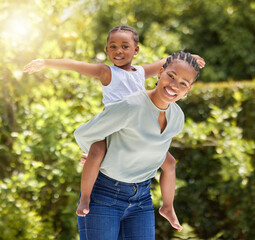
(136, 148)
(123, 83)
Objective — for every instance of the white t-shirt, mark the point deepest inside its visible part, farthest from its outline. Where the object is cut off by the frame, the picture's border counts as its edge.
(123, 83)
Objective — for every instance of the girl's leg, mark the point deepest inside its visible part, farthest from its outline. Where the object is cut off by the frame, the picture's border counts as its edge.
(89, 175)
(167, 185)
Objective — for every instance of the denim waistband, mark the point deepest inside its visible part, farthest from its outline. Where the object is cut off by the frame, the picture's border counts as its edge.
(119, 183)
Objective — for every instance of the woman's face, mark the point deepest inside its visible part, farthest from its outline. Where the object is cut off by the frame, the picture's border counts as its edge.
(175, 81)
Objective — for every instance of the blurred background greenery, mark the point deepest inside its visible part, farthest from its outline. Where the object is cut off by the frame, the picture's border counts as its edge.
(39, 167)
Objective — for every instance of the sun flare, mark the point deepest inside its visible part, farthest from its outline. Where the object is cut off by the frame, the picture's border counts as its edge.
(16, 29)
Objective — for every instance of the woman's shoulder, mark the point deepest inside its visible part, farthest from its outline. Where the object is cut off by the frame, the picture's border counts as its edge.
(176, 111)
(177, 108)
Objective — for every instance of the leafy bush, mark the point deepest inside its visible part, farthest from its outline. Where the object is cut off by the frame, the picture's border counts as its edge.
(39, 167)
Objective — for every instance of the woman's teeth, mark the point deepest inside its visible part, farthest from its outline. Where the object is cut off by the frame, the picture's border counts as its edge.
(170, 92)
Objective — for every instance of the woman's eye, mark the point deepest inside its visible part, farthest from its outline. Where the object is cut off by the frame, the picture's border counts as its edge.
(112, 46)
(171, 76)
(184, 84)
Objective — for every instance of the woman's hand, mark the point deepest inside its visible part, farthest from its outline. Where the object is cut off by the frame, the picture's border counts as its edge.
(34, 66)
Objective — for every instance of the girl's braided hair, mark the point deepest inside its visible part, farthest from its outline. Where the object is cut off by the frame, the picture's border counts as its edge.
(183, 57)
(124, 28)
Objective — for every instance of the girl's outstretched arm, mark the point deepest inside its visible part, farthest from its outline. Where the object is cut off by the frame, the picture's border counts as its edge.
(152, 69)
(100, 71)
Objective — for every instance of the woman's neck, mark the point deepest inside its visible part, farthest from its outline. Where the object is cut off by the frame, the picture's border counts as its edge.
(156, 100)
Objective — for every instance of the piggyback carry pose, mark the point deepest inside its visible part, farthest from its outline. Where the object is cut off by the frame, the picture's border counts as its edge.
(118, 81)
(138, 132)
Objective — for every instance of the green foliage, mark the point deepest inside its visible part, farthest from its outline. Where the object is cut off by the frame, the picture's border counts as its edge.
(44, 176)
(19, 219)
(39, 167)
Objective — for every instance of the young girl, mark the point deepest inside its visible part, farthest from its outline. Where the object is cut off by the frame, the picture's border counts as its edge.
(138, 131)
(118, 81)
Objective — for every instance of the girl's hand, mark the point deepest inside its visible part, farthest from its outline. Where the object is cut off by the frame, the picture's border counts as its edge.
(200, 61)
(34, 66)
(84, 157)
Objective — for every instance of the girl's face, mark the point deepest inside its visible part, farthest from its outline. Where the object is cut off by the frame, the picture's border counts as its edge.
(175, 81)
(121, 49)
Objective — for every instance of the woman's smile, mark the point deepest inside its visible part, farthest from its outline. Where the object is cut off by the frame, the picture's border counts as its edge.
(171, 93)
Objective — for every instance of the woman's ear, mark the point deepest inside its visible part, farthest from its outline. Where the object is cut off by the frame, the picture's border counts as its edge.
(160, 72)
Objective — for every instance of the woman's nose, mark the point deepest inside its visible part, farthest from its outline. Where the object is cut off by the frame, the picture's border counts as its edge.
(174, 84)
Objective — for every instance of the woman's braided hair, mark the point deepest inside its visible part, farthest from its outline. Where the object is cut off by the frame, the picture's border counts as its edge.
(184, 57)
(124, 28)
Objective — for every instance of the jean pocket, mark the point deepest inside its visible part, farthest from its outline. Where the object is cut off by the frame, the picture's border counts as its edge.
(104, 193)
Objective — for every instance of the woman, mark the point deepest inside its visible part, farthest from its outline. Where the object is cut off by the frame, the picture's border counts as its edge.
(138, 131)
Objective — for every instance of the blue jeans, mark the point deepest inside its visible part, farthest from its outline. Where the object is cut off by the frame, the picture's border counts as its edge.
(118, 211)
